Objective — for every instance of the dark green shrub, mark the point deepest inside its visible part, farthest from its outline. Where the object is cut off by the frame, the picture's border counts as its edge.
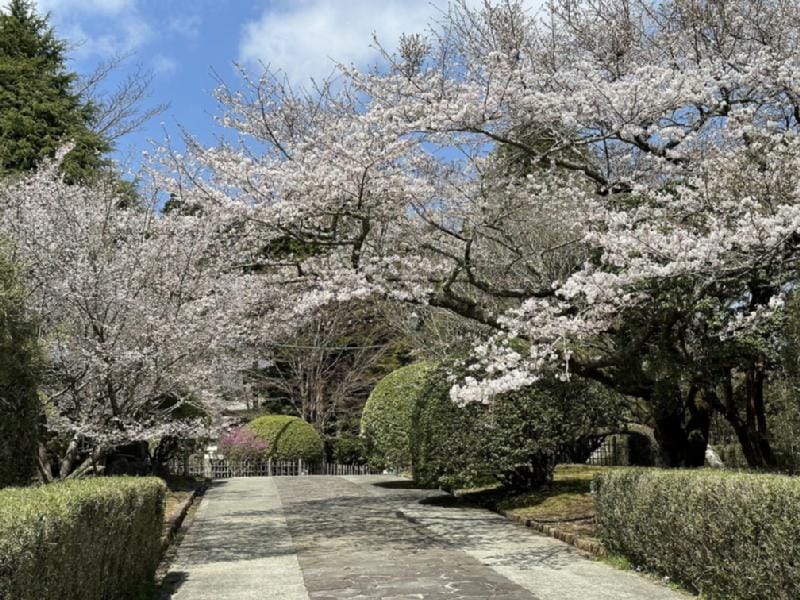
(730, 536)
(94, 539)
(19, 375)
(386, 420)
(289, 438)
(348, 449)
(445, 438)
(516, 439)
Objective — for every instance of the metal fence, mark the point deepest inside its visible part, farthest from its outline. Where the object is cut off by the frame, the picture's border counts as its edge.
(612, 452)
(220, 468)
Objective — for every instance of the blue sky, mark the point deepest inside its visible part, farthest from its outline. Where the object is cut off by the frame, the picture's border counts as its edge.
(181, 42)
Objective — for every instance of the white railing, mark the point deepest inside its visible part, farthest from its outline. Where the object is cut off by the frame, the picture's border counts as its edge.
(220, 468)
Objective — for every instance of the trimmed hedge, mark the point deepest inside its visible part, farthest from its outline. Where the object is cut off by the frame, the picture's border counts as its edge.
(386, 419)
(19, 376)
(445, 442)
(94, 539)
(289, 438)
(731, 536)
(515, 440)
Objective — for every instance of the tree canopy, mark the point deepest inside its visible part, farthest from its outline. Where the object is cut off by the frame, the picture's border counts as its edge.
(39, 107)
(645, 236)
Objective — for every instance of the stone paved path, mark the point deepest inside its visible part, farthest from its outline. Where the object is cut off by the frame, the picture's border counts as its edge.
(336, 538)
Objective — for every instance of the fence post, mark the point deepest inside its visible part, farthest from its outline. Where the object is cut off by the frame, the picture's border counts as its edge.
(269, 467)
(613, 450)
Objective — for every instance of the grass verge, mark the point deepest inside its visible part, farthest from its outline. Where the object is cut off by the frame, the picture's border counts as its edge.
(565, 504)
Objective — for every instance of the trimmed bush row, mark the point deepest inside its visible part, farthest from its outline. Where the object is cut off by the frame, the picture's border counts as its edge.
(288, 438)
(731, 536)
(96, 539)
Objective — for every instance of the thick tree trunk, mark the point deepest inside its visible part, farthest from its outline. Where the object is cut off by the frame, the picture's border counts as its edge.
(756, 449)
(43, 460)
(67, 461)
(670, 437)
(93, 464)
(165, 451)
(697, 428)
(681, 426)
(751, 431)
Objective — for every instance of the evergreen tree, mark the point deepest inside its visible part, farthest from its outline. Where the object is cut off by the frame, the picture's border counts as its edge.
(39, 109)
(19, 378)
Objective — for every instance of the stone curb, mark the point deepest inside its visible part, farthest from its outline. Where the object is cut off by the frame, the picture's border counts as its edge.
(175, 520)
(581, 543)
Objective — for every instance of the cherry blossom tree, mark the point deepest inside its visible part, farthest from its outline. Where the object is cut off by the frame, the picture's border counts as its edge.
(134, 309)
(608, 188)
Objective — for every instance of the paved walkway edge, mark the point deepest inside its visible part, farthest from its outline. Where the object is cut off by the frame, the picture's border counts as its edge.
(581, 543)
(175, 520)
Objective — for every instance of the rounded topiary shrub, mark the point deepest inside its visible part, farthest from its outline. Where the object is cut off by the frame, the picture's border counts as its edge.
(288, 438)
(444, 436)
(386, 420)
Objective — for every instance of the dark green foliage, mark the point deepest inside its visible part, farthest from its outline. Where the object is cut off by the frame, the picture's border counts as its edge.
(39, 110)
(731, 536)
(641, 452)
(348, 449)
(782, 395)
(92, 539)
(19, 375)
(386, 419)
(516, 440)
(289, 438)
(445, 438)
(525, 432)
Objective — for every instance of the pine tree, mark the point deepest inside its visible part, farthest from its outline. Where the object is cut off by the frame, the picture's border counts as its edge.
(19, 377)
(39, 109)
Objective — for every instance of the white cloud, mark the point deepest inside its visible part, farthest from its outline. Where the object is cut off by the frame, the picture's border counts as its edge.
(97, 28)
(187, 26)
(164, 65)
(121, 37)
(106, 7)
(305, 38)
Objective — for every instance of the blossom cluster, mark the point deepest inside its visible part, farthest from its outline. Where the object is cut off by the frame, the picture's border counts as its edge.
(135, 309)
(547, 178)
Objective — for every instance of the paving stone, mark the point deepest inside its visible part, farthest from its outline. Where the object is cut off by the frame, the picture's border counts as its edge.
(375, 538)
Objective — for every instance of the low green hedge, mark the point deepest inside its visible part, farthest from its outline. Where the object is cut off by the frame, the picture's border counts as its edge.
(95, 539)
(730, 536)
(289, 438)
(386, 419)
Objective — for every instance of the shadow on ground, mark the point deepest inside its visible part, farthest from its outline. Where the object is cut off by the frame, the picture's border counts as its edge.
(410, 520)
(398, 484)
